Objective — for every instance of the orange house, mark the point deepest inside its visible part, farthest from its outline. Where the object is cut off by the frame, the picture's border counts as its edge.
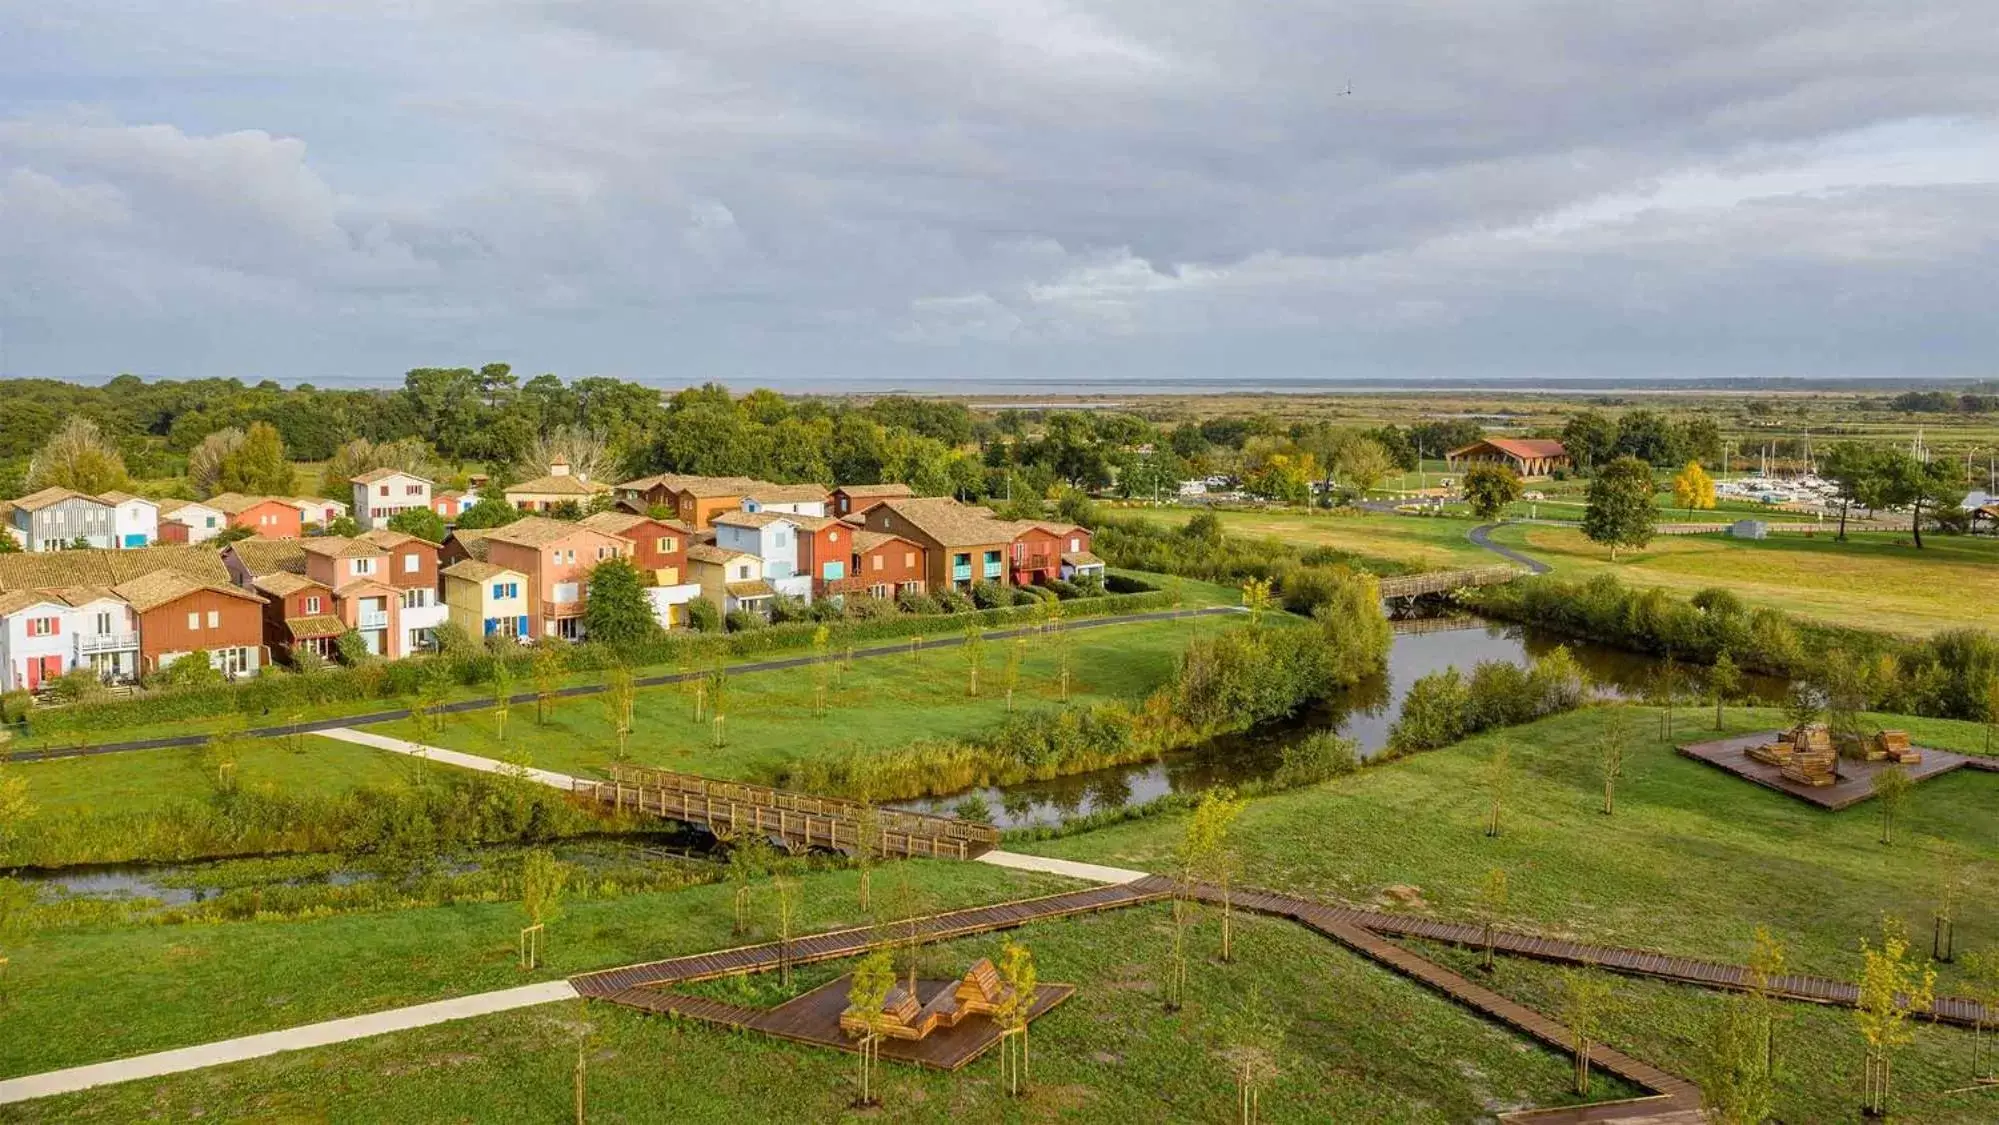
(825, 550)
(179, 615)
(883, 566)
(267, 516)
(557, 558)
(299, 615)
(659, 547)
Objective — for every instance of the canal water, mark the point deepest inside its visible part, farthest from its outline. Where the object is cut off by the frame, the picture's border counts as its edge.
(1363, 713)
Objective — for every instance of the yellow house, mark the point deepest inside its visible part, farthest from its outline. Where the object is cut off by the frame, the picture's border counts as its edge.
(487, 600)
(558, 487)
(731, 579)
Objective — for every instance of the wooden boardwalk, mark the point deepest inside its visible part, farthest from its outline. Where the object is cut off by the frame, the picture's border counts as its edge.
(1444, 581)
(733, 808)
(1856, 779)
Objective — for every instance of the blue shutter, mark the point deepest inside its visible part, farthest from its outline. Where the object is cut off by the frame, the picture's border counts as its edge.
(492, 625)
(523, 625)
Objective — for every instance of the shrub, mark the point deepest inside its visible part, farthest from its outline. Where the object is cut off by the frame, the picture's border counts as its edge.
(744, 620)
(703, 616)
(1319, 756)
(785, 609)
(988, 595)
(1064, 590)
(862, 608)
(1433, 713)
(1498, 695)
(1125, 584)
(1026, 596)
(919, 604)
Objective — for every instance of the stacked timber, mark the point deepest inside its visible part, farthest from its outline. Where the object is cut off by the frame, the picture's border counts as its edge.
(902, 1017)
(1894, 746)
(1812, 760)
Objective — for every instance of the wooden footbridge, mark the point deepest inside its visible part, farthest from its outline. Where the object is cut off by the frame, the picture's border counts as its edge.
(733, 809)
(1444, 581)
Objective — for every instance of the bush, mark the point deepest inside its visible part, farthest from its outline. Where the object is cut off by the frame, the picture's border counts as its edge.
(703, 616)
(863, 608)
(917, 604)
(955, 601)
(1066, 591)
(824, 610)
(744, 620)
(785, 609)
(1318, 757)
(1125, 584)
(1026, 596)
(988, 595)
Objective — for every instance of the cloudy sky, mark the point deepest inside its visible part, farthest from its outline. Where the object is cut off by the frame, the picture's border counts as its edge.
(803, 193)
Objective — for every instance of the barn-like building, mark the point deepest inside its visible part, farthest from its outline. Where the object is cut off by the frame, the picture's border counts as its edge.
(1530, 457)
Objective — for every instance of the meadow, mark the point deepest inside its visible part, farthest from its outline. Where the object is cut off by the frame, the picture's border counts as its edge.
(1427, 543)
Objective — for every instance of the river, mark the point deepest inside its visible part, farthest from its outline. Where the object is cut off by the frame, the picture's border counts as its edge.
(1363, 713)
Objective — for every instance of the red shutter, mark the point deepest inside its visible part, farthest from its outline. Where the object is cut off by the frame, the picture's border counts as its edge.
(55, 626)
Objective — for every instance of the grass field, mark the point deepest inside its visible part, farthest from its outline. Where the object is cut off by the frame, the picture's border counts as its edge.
(1357, 1044)
(878, 703)
(1873, 580)
(1425, 543)
(144, 780)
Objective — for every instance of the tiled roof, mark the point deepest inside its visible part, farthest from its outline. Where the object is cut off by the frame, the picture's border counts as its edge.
(620, 522)
(124, 497)
(340, 547)
(269, 556)
(556, 485)
(1081, 558)
(872, 491)
(373, 476)
(865, 541)
(533, 531)
(472, 540)
(1520, 447)
(710, 553)
(756, 588)
(813, 523)
(389, 540)
(700, 486)
(47, 570)
(476, 570)
(314, 502)
(787, 493)
(753, 519)
(284, 583)
(36, 501)
(236, 503)
(84, 595)
(321, 625)
(14, 601)
(951, 523)
(173, 508)
(149, 592)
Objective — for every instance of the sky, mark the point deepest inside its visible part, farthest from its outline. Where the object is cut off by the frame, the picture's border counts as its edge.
(919, 193)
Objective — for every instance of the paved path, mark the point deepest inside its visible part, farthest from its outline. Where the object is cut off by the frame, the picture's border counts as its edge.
(900, 648)
(276, 1042)
(1088, 872)
(1482, 536)
(549, 778)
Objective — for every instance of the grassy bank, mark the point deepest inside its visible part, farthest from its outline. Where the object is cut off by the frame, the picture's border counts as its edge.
(1407, 541)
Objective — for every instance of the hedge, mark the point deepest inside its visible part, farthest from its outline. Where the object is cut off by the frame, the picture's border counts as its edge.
(273, 696)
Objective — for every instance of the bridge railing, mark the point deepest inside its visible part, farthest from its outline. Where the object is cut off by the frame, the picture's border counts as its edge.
(1439, 581)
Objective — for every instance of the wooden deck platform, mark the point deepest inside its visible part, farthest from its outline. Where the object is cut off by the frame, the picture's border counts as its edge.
(814, 1018)
(1856, 779)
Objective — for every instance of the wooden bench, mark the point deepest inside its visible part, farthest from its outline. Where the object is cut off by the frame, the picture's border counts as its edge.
(1894, 746)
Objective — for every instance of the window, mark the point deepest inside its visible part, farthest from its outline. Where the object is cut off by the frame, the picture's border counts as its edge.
(503, 590)
(194, 622)
(214, 619)
(44, 626)
(909, 558)
(832, 537)
(232, 660)
(364, 566)
(411, 564)
(312, 605)
(412, 490)
(666, 545)
(569, 556)
(780, 540)
(1075, 543)
(418, 598)
(104, 623)
(878, 562)
(209, 521)
(743, 572)
(606, 553)
(384, 491)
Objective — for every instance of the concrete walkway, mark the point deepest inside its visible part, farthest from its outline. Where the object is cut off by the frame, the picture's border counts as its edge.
(1089, 872)
(549, 778)
(1482, 536)
(276, 1042)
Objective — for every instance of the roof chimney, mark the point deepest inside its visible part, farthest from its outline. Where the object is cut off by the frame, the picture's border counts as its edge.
(559, 467)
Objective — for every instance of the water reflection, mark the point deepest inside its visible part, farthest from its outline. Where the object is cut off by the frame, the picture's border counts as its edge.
(1363, 713)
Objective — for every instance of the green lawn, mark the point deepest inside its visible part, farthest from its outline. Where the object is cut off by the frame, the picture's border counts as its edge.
(144, 780)
(1358, 1044)
(1692, 861)
(1875, 580)
(882, 702)
(1426, 543)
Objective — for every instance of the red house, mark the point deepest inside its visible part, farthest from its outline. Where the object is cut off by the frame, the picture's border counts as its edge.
(882, 566)
(267, 516)
(659, 547)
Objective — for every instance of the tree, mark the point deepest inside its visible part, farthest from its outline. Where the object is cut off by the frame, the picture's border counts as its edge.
(1891, 789)
(1498, 779)
(1615, 741)
(408, 455)
(488, 511)
(1738, 1082)
(343, 526)
(1693, 488)
(1585, 995)
(1256, 1035)
(542, 880)
(1363, 463)
(205, 460)
(1907, 482)
(1858, 472)
(1489, 489)
(1256, 599)
(258, 466)
(1209, 851)
(1491, 906)
(420, 522)
(587, 452)
(974, 650)
(545, 668)
(1017, 652)
(1590, 439)
(1021, 982)
(790, 898)
(79, 457)
(1981, 984)
(503, 697)
(873, 979)
(1724, 683)
(750, 859)
(617, 612)
(620, 703)
(1892, 988)
(1619, 510)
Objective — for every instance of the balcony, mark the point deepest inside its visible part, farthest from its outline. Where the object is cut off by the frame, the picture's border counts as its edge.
(961, 572)
(562, 609)
(87, 643)
(373, 619)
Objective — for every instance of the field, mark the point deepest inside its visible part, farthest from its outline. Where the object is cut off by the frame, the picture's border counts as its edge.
(1874, 580)
(1424, 543)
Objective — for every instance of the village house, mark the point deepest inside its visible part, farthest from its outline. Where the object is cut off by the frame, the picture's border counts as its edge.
(190, 521)
(962, 544)
(266, 517)
(135, 521)
(487, 600)
(381, 494)
(450, 504)
(364, 601)
(560, 486)
(881, 566)
(825, 550)
(179, 616)
(659, 550)
(771, 537)
(412, 570)
(1528, 457)
(315, 511)
(695, 501)
(56, 519)
(732, 580)
(300, 615)
(557, 558)
(792, 499)
(35, 647)
(1046, 551)
(850, 499)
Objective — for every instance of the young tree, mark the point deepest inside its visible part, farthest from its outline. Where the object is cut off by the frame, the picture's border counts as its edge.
(790, 898)
(1256, 599)
(1724, 683)
(1489, 489)
(1491, 906)
(503, 697)
(749, 859)
(420, 522)
(1619, 511)
(617, 612)
(975, 657)
(1256, 1036)
(1585, 995)
(621, 696)
(1021, 981)
(1693, 489)
(545, 668)
(258, 465)
(1615, 741)
(822, 669)
(542, 881)
(1209, 853)
(1981, 984)
(1498, 779)
(867, 838)
(1363, 462)
(1017, 651)
(1738, 1082)
(77, 456)
(1662, 688)
(1892, 988)
(873, 979)
(1891, 789)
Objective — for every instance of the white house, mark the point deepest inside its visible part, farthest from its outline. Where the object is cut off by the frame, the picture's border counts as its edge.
(192, 522)
(135, 520)
(381, 493)
(106, 633)
(772, 538)
(35, 639)
(54, 519)
(793, 499)
(316, 509)
(668, 600)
